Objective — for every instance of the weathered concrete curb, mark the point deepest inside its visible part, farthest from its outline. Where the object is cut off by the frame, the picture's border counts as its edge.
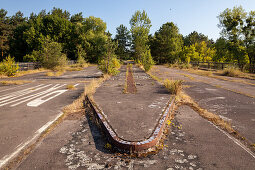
(123, 144)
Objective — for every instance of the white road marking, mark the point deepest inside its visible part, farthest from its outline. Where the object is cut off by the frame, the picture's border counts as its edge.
(22, 146)
(30, 97)
(40, 101)
(235, 140)
(27, 98)
(19, 94)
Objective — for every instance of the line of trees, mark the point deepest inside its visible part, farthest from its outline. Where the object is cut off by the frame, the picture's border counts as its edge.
(167, 45)
(22, 37)
(75, 36)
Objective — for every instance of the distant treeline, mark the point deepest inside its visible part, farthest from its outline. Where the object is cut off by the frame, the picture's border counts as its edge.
(87, 37)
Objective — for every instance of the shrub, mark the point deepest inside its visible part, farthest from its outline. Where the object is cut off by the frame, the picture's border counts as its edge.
(50, 56)
(8, 67)
(147, 60)
(232, 72)
(185, 66)
(173, 86)
(111, 67)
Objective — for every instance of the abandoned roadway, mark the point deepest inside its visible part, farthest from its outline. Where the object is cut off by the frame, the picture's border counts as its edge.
(27, 110)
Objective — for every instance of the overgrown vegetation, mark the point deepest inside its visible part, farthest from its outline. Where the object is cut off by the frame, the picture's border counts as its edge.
(8, 67)
(15, 82)
(110, 64)
(173, 86)
(232, 72)
(86, 40)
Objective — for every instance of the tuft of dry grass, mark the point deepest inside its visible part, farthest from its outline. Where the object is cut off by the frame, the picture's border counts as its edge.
(89, 90)
(15, 82)
(70, 87)
(53, 74)
(173, 86)
(232, 72)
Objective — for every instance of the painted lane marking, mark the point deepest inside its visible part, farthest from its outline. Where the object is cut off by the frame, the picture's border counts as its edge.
(40, 101)
(18, 92)
(11, 97)
(27, 98)
(32, 96)
(235, 140)
(22, 146)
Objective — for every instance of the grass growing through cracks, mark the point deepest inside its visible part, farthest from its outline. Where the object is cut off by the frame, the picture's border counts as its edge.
(173, 86)
(70, 87)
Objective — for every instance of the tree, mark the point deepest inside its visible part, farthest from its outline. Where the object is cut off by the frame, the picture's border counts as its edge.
(167, 43)
(123, 38)
(195, 37)
(109, 64)
(77, 18)
(249, 36)
(222, 53)
(231, 22)
(50, 56)
(140, 28)
(94, 32)
(60, 13)
(5, 32)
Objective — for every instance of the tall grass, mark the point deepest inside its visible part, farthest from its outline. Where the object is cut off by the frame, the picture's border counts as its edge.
(232, 72)
(173, 86)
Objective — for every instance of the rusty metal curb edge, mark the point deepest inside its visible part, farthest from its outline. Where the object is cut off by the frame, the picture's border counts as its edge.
(131, 145)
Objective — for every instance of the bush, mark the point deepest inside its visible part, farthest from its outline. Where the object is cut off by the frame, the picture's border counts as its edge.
(49, 57)
(232, 72)
(8, 67)
(185, 66)
(173, 86)
(147, 60)
(113, 66)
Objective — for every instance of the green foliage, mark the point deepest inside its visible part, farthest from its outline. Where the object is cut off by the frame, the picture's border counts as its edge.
(196, 37)
(197, 52)
(147, 60)
(123, 38)
(109, 64)
(50, 56)
(8, 67)
(140, 28)
(111, 68)
(238, 29)
(166, 44)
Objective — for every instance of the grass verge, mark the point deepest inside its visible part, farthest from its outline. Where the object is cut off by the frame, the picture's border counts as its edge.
(14, 82)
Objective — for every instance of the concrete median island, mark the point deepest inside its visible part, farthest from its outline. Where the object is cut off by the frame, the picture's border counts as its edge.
(132, 109)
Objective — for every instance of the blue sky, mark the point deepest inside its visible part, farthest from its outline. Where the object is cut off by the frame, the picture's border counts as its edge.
(189, 15)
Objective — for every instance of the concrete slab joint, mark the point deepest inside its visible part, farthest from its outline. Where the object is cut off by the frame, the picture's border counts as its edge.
(127, 145)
